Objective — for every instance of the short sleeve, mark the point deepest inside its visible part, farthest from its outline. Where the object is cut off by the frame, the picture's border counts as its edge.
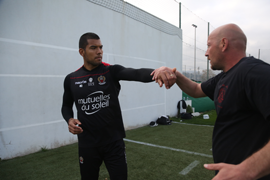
(257, 86)
(209, 86)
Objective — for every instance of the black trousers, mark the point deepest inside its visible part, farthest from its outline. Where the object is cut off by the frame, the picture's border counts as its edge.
(113, 155)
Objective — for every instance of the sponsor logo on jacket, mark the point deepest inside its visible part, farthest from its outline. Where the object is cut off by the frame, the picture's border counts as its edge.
(94, 102)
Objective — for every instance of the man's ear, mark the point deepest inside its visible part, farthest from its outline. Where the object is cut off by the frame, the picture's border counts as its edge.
(224, 44)
(81, 51)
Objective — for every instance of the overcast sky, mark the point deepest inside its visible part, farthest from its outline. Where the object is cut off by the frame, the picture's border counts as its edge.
(251, 15)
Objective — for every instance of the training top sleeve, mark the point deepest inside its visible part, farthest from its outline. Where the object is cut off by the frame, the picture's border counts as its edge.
(257, 85)
(208, 87)
(129, 74)
(67, 111)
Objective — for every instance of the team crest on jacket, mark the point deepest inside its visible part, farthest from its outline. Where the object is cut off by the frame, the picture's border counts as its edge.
(81, 159)
(90, 83)
(101, 80)
(221, 93)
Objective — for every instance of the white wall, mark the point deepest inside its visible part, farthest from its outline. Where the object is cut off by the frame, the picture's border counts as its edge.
(39, 47)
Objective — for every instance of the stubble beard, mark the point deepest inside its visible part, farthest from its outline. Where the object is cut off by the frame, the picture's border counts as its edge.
(93, 62)
(216, 67)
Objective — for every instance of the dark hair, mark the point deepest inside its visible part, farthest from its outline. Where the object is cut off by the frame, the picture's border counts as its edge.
(83, 40)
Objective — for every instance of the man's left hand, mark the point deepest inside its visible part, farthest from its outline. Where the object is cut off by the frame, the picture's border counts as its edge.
(164, 75)
(228, 172)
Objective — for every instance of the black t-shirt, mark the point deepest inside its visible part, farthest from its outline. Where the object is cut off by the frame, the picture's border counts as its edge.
(95, 94)
(242, 98)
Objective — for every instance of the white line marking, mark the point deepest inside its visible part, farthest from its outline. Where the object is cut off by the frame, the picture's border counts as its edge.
(189, 168)
(192, 124)
(173, 149)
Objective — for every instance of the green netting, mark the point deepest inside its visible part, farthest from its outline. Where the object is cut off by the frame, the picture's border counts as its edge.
(200, 104)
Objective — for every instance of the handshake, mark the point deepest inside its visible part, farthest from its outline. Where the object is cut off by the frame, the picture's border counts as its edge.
(165, 75)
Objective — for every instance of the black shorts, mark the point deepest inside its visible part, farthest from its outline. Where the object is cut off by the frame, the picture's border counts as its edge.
(113, 155)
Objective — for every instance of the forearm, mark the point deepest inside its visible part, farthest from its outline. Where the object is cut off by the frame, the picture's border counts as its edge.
(258, 165)
(67, 103)
(141, 75)
(67, 113)
(188, 86)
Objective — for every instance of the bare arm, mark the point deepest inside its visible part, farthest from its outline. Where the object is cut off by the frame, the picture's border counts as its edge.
(258, 165)
(188, 86)
(254, 167)
(168, 77)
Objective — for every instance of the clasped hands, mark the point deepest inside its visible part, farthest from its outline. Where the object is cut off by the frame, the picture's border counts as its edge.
(164, 75)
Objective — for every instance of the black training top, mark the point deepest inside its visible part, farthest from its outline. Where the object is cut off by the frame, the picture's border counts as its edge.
(95, 94)
(242, 97)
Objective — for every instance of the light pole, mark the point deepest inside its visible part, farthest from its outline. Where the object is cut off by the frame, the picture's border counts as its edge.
(195, 52)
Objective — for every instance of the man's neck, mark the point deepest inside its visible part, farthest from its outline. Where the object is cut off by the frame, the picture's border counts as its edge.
(89, 67)
(232, 62)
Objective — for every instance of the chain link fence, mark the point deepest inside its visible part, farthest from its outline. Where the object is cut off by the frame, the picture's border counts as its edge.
(139, 15)
(194, 34)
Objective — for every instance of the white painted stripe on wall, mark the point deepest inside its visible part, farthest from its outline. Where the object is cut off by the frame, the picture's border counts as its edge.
(31, 75)
(161, 104)
(37, 44)
(143, 59)
(58, 121)
(32, 125)
(71, 49)
(189, 167)
(173, 149)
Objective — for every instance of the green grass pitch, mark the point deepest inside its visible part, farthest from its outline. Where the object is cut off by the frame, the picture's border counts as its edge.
(165, 152)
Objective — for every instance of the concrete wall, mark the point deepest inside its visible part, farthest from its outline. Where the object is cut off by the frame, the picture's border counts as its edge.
(39, 47)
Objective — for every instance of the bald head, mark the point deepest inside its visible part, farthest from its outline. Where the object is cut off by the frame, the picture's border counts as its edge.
(226, 47)
(236, 37)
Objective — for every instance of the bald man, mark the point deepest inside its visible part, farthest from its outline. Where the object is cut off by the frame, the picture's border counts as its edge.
(241, 146)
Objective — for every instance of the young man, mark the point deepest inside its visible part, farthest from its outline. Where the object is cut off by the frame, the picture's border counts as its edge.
(241, 146)
(94, 88)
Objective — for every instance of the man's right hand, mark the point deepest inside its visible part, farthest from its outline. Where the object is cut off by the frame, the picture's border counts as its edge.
(164, 75)
(73, 126)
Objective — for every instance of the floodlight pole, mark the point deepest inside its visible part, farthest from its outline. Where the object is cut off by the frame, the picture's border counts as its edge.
(195, 78)
(180, 15)
(207, 57)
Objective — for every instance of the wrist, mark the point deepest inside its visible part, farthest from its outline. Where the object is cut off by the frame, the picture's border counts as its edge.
(250, 173)
(69, 120)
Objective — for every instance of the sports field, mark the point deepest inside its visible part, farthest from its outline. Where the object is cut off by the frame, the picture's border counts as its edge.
(165, 152)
